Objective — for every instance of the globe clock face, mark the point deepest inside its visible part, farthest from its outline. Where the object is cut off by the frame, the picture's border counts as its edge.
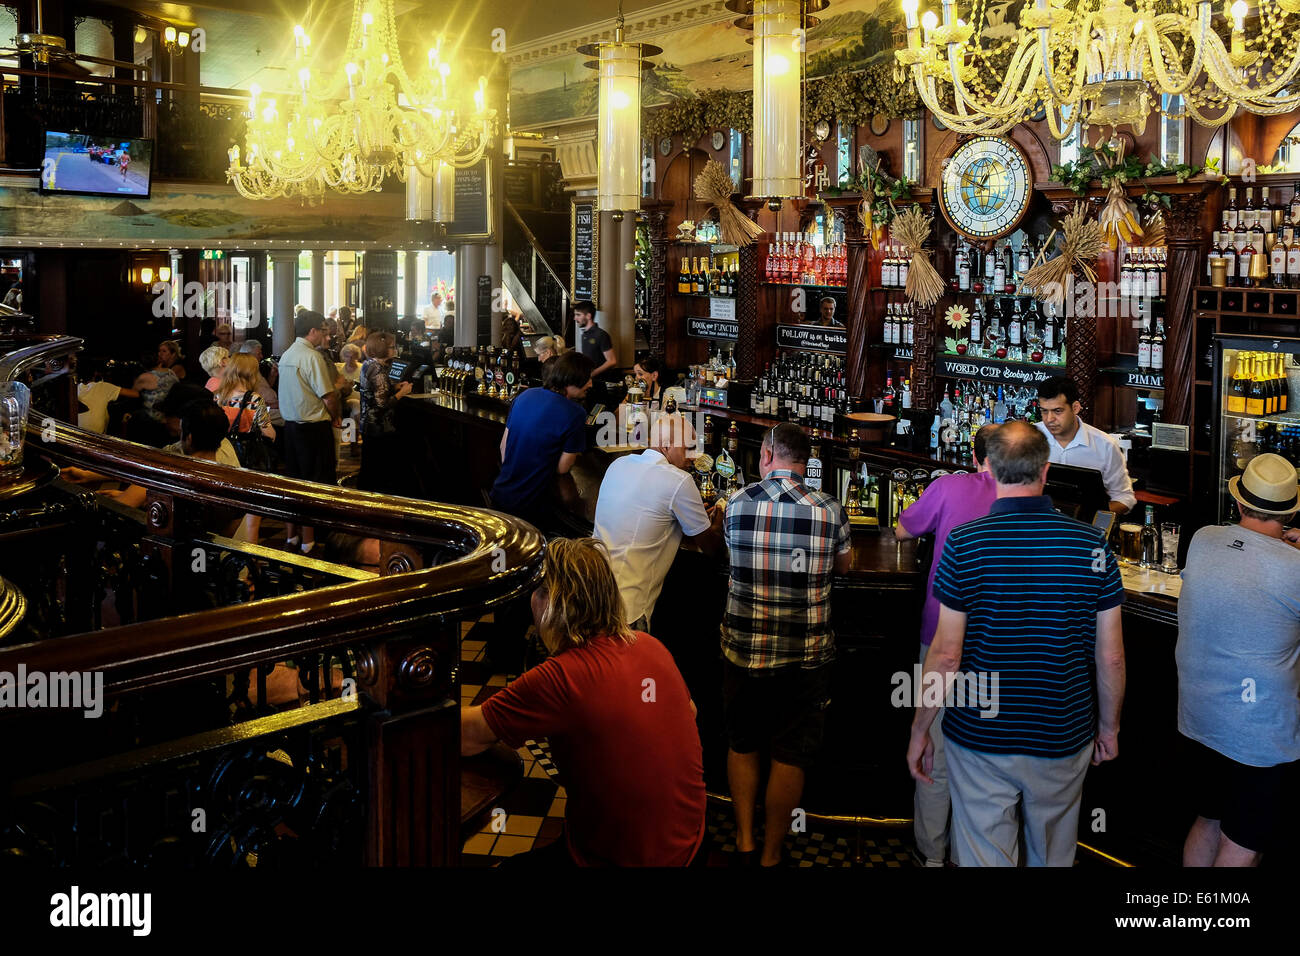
(986, 189)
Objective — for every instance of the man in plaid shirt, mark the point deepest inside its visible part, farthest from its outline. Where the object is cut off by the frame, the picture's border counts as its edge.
(786, 541)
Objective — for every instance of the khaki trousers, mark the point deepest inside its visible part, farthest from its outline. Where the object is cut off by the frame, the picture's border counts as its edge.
(999, 798)
(932, 803)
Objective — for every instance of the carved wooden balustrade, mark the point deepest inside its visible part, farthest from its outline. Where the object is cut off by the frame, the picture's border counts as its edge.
(259, 708)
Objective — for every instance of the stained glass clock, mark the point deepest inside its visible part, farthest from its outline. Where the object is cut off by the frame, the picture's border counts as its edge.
(986, 188)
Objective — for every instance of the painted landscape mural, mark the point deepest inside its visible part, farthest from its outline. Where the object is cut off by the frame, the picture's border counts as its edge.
(853, 35)
(191, 217)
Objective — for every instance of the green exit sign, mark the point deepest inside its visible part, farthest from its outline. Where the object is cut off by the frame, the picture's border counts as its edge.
(214, 254)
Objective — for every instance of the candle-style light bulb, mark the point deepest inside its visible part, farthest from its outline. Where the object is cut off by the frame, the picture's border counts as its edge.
(928, 23)
(1239, 10)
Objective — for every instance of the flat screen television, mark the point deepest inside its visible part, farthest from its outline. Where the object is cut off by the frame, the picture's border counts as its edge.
(96, 165)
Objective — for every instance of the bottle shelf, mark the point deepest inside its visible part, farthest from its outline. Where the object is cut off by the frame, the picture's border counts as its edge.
(702, 295)
(808, 285)
(1277, 418)
(1244, 300)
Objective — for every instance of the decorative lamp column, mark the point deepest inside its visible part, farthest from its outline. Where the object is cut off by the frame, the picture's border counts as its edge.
(419, 196)
(780, 27)
(444, 194)
(618, 124)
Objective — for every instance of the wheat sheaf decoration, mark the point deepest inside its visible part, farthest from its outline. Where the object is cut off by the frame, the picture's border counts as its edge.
(1081, 244)
(910, 229)
(714, 185)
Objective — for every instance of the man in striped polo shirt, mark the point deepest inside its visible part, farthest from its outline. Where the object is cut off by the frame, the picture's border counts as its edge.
(1029, 606)
(786, 542)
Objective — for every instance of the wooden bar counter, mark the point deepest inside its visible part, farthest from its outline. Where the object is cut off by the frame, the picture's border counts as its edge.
(875, 610)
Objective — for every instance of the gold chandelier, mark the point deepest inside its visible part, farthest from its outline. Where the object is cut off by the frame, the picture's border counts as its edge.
(371, 121)
(1103, 62)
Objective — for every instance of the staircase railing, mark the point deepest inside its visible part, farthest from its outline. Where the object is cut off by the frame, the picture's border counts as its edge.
(548, 293)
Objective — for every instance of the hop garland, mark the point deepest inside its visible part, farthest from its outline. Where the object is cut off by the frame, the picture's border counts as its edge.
(714, 185)
(1081, 244)
(911, 228)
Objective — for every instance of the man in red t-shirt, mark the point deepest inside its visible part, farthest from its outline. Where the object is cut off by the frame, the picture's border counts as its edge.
(619, 718)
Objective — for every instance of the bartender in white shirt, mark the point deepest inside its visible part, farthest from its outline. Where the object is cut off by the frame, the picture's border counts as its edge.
(1074, 442)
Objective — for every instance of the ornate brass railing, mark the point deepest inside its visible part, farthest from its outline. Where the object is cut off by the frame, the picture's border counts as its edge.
(360, 764)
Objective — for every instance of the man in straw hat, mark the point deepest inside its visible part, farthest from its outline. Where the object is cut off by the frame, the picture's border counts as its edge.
(1238, 661)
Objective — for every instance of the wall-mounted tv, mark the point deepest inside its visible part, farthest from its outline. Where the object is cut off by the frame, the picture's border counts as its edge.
(96, 165)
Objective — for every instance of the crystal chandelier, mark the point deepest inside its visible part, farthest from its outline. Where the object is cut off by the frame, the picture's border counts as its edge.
(1102, 62)
(371, 121)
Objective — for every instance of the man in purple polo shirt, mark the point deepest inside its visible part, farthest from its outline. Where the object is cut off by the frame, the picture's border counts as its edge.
(946, 503)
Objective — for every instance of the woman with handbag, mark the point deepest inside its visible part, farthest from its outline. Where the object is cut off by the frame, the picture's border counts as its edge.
(380, 451)
(238, 398)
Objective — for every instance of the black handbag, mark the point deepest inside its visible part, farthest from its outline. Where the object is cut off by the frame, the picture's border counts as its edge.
(254, 450)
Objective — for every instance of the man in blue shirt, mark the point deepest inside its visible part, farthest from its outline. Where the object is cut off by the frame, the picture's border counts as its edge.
(544, 436)
(1029, 644)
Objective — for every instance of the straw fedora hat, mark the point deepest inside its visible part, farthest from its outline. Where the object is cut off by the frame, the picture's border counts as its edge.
(1268, 486)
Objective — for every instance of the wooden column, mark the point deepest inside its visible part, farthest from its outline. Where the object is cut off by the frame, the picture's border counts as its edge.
(747, 301)
(859, 283)
(1185, 239)
(656, 213)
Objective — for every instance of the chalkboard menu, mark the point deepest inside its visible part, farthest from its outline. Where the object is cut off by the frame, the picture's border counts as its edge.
(483, 311)
(993, 370)
(473, 202)
(584, 246)
(379, 290)
(813, 338)
(520, 185)
(725, 329)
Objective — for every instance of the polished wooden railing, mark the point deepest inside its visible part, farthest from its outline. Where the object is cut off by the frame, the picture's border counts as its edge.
(362, 766)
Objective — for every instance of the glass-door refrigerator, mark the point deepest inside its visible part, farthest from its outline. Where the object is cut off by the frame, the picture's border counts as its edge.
(1256, 407)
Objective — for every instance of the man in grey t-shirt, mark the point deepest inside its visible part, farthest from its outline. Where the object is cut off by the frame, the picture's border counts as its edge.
(1239, 669)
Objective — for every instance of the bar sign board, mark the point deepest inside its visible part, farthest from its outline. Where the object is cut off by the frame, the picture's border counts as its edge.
(993, 370)
(813, 338)
(584, 245)
(473, 191)
(725, 329)
(484, 310)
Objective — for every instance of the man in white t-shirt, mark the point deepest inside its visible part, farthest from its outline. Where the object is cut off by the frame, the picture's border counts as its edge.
(647, 503)
(95, 395)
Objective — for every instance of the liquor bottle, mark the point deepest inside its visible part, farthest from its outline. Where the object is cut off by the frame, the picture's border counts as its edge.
(903, 269)
(999, 272)
(1014, 327)
(813, 470)
(1240, 236)
(1283, 383)
(1270, 386)
(1158, 348)
(963, 269)
(708, 434)
(1008, 269)
(1293, 260)
(1000, 408)
(1257, 230)
(1294, 214)
(715, 278)
(1024, 260)
(1144, 349)
(1255, 397)
(907, 393)
(1277, 258)
(1238, 386)
(1214, 254)
(888, 394)
(1243, 263)
(1270, 212)
(909, 338)
(934, 436)
(976, 327)
(1050, 331)
(1126, 271)
(1230, 214)
(1150, 541)
(1155, 284)
(733, 440)
(1248, 213)
(1229, 255)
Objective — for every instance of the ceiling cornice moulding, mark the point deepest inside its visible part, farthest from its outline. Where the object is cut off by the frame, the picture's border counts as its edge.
(645, 25)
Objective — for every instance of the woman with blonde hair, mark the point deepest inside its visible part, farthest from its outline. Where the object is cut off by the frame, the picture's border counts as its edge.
(239, 379)
(607, 693)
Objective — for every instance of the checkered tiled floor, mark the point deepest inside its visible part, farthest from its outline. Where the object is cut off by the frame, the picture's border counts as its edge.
(534, 811)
